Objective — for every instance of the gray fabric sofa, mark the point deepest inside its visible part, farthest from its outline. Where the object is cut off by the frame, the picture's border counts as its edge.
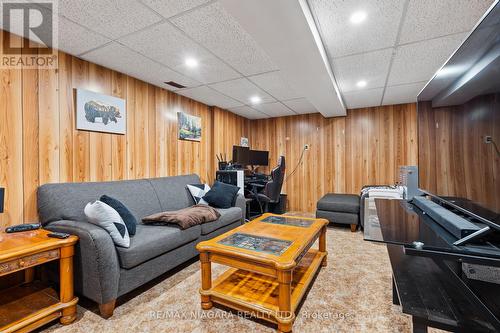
(104, 272)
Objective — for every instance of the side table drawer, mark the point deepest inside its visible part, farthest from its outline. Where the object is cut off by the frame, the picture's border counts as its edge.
(28, 261)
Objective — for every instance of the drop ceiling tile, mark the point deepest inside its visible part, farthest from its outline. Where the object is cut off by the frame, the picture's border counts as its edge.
(218, 31)
(406, 93)
(427, 19)
(371, 67)
(276, 109)
(300, 106)
(363, 98)
(274, 84)
(168, 8)
(419, 61)
(72, 38)
(341, 37)
(242, 90)
(120, 58)
(75, 39)
(169, 46)
(113, 19)
(248, 112)
(209, 96)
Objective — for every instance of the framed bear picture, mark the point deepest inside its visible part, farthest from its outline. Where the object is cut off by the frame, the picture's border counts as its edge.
(100, 113)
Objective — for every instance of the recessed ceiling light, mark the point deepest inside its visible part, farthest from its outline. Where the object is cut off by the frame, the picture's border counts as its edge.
(358, 17)
(191, 62)
(361, 84)
(255, 99)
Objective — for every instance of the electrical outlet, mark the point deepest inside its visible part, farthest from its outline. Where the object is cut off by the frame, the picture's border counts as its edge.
(306, 146)
(488, 139)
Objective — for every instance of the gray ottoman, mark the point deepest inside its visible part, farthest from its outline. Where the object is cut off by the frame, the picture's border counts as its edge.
(339, 208)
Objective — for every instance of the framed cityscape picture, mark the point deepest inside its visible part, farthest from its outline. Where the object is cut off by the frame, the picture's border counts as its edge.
(189, 127)
(100, 113)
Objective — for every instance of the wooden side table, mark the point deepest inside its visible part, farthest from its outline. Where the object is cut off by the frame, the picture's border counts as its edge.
(33, 304)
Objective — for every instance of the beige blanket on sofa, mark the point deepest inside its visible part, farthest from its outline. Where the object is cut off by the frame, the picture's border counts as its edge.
(184, 218)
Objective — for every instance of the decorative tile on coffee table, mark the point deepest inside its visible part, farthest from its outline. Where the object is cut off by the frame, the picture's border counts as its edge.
(287, 220)
(272, 246)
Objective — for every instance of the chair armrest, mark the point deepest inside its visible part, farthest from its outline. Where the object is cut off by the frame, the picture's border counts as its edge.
(96, 266)
(241, 202)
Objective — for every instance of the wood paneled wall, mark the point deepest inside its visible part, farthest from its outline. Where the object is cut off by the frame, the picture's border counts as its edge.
(365, 147)
(39, 143)
(228, 130)
(453, 158)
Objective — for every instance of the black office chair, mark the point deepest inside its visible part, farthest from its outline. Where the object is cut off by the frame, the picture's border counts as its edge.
(272, 189)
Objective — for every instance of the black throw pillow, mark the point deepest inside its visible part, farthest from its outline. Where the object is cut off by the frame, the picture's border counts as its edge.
(221, 195)
(125, 214)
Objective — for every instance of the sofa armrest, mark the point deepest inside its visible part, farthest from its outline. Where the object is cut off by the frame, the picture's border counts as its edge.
(96, 266)
(240, 202)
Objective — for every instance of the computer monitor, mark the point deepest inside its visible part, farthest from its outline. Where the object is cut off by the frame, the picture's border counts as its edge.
(259, 157)
(241, 155)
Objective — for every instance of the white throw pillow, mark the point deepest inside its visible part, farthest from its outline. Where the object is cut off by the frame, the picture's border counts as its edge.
(106, 217)
(198, 191)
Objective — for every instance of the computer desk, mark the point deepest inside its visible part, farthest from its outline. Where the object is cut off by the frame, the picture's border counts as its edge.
(250, 184)
(258, 181)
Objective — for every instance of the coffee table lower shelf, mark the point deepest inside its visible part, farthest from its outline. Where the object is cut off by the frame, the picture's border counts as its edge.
(257, 294)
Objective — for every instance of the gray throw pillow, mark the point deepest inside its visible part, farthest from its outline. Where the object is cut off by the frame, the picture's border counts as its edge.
(106, 217)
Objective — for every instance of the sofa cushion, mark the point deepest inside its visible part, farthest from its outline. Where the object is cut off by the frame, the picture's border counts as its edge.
(66, 201)
(173, 193)
(346, 203)
(227, 216)
(152, 241)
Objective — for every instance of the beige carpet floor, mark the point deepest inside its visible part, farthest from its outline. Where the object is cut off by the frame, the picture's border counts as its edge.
(351, 294)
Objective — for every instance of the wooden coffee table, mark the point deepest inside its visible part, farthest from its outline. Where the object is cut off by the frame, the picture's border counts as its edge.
(272, 266)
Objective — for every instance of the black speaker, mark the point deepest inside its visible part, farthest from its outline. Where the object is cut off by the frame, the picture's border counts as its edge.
(2, 195)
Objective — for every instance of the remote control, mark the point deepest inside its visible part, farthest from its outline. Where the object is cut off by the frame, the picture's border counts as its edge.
(22, 227)
(61, 235)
